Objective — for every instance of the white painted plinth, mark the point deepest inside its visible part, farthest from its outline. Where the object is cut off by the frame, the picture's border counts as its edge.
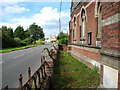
(110, 77)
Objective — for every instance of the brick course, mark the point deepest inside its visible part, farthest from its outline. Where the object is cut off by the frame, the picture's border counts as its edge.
(101, 75)
(92, 55)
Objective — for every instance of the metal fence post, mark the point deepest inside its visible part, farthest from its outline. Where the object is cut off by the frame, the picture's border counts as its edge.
(20, 81)
(6, 87)
(29, 73)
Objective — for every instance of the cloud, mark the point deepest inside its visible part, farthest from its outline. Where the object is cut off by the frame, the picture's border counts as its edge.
(48, 19)
(11, 1)
(15, 9)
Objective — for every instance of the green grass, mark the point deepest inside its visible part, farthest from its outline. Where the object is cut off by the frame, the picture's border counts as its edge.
(17, 48)
(71, 73)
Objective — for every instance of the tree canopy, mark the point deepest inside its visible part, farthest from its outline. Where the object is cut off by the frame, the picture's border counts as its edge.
(19, 32)
(7, 37)
(36, 32)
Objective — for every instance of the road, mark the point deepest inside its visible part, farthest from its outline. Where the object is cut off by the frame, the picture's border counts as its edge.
(16, 62)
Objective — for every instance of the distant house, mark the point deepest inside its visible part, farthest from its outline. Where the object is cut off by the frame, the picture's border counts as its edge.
(52, 38)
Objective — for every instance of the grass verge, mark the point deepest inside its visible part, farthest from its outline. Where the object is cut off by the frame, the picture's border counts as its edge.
(17, 48)
(71, 73)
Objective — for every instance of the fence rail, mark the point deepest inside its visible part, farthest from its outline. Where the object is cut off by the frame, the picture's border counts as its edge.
(42, 77)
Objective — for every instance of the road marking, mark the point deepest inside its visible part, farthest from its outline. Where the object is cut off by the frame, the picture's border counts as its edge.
(1, 62)
(18, 56)
(30, 52)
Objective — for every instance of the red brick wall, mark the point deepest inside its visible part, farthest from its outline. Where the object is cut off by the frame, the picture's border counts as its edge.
(91, 23)
(90, 27)
(101, 74)
(110, 8)
(119, 81)
(92, 55)
(62, 47)
(111, 32)
(87, 63)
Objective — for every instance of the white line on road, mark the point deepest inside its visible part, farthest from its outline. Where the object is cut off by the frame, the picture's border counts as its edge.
(1, 62)
(30, 52)
(18, 56)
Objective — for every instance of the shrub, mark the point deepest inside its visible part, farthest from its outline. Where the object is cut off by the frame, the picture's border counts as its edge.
(63, 41)
(62, 38)
(8, 42)
(26, 41)
(18, 41)
(40, 42)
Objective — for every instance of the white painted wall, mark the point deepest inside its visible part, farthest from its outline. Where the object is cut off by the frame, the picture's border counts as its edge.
(110, 77)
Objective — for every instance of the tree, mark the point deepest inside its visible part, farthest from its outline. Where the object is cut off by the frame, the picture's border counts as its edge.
(7, 40)
(19, 32)
(10, 32)
(41, 33)
(36, 32)
(62, 38)
(27, 33)
(4, 30)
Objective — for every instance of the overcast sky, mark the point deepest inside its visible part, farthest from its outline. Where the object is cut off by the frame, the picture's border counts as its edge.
(45, 14)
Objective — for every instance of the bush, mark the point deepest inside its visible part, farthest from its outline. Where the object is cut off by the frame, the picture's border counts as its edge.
(23, 43)
(18, 41)
(40, 42)
(53, 41)
(62, 38)
(8, 42)
(63, 41)
(26, 41)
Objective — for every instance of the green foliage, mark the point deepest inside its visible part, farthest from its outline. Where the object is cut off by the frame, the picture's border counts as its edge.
(16, 48)
(36, 32)
(8, 42)
(62, 38)
(53, 41)
(19, 32)
(20, 37)
(18, 41)
(27, 33)
(10, 32)
(40, 42)
(27, 41)
(7, 37)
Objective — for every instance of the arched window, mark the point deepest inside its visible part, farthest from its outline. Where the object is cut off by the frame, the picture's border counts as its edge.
(83, 24)
(75, 27)
(98, 16)
(99, 22)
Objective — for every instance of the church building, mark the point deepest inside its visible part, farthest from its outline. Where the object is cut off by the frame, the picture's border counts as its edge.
(94, 37)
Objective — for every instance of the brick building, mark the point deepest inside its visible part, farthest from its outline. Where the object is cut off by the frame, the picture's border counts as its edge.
(94, 38)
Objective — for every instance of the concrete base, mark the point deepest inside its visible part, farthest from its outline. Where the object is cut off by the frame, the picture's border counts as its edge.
(110, 77)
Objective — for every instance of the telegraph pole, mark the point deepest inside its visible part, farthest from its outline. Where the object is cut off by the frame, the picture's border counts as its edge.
(60, 17)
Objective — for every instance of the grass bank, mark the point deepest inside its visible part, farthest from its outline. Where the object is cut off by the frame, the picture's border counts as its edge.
(17, 48)
(71, 73)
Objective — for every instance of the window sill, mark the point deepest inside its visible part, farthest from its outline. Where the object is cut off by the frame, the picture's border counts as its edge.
(82, 38)
(98, 37)
(85, 45)
(74, 39)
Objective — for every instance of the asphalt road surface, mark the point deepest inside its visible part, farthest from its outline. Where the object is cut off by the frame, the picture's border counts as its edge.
(16, 62)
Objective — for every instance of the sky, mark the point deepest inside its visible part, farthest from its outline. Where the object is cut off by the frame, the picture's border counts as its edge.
(45, 14)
